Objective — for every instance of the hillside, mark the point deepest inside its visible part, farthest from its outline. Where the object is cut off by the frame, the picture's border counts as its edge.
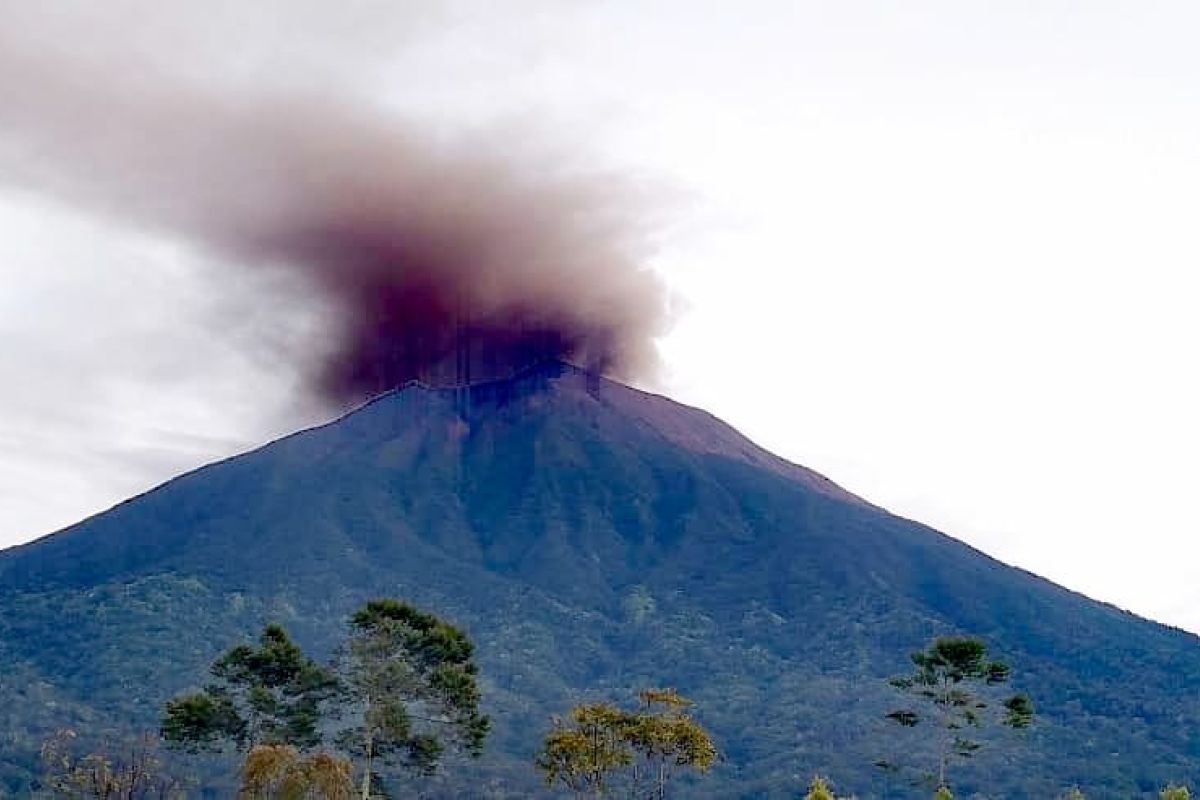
(592, 539)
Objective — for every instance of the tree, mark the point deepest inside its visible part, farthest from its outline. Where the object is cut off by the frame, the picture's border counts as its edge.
(1173, 792)
(413, 679)
(819, 790)
(278, 772)
(664, 737)
(405, 684)
(583, 755)
(133, 771)
(603, 744)
(950, 680)
(269, 694)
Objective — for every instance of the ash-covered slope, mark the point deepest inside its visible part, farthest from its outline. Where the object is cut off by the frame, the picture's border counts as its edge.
(593, 539)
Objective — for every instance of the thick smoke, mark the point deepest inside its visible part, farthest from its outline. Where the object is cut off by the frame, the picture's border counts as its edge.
(442, 262)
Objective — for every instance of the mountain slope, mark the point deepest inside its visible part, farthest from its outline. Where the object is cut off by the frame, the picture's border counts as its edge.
(593, 539)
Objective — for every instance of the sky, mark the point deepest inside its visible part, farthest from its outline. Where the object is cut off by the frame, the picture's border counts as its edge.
(942, 252)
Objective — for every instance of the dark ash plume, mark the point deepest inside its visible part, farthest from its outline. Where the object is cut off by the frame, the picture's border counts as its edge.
(436, 262)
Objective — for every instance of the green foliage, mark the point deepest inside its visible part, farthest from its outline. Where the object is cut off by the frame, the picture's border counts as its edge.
(1073, 794)
(949, 681)
(203, 720)
(603, 745)
(943, 793)
(1174, 792)
(274, 701)
(399, 657)
(529, 517)
(1018, 711)
(269, 694)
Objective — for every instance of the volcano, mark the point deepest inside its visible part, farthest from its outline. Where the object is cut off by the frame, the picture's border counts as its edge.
(592, 539)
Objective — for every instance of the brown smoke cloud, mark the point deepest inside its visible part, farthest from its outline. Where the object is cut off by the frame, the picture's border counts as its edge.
(435, 260)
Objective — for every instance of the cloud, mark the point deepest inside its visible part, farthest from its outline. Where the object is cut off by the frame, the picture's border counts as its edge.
(405, 253)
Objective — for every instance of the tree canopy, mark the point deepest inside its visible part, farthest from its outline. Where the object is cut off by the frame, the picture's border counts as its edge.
(600, 746)
(412, 678)
(402, 692)
(266, 694)
(950, 681)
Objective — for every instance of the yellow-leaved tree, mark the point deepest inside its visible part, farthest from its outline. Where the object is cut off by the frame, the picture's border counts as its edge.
(819, 790)
(600, 747)
(279, 772)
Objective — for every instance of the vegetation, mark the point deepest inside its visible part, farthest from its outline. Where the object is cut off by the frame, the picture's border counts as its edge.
(132, 771)
(403, 690)
(948, 681)
(585, 754)
(584, 552)
(819, 790)
(269, 694)
(398, 659)
(278, 772)
(603, 749)
(1170, 792)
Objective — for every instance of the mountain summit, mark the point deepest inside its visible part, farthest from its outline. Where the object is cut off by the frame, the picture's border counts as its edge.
(592, 539)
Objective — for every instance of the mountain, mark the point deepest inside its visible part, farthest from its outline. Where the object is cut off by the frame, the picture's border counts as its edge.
(592, 539)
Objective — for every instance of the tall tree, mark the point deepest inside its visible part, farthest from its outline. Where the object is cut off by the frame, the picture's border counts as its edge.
(664, 736)
(406, 686)
(586, 753)
(414, 682)
(266, 694)
(951, 681)
(603, 744)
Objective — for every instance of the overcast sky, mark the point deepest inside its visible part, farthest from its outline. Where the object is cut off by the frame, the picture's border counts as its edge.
(942, 252)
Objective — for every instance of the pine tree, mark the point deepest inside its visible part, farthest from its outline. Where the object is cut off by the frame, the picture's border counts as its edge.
(399, 656)
(949, 681)
(406, 692)
(266, 694)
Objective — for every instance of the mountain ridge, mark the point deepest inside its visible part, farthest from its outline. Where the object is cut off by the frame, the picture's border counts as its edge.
(588, 553)
(749, 450)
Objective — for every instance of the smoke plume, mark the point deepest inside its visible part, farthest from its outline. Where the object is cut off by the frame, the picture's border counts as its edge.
(436, 261)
